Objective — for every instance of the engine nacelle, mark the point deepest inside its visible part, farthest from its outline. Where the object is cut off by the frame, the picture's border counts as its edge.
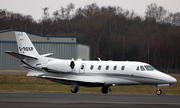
(61, 65)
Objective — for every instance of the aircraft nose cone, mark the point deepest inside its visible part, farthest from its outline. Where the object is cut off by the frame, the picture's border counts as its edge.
(168, 79)
(172, 80)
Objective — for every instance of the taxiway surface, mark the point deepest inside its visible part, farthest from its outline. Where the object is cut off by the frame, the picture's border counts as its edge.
(50, 100)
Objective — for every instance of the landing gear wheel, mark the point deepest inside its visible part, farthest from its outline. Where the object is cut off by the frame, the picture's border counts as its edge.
(75, 90)
(105, 90)
(159, 92)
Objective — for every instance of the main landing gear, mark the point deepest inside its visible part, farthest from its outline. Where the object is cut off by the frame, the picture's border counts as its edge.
(158, 92)
(74, 88)
(105, 89)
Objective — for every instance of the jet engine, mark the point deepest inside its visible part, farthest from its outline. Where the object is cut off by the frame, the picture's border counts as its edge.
(61, 65)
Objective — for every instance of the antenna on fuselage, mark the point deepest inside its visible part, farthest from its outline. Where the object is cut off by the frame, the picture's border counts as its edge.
(99, 59)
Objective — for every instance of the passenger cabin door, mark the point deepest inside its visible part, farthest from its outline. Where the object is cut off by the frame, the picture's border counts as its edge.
(82, 68)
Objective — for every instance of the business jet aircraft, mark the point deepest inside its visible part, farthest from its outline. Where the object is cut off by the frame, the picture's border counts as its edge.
(87, 73)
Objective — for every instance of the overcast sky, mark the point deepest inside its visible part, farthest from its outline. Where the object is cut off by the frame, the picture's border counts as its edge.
(34, 7)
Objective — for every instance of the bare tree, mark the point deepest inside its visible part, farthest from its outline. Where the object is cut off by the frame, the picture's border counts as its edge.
(46, 14)
(156, 13)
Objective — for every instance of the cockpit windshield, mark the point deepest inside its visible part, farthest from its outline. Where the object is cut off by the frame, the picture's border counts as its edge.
(149, 68)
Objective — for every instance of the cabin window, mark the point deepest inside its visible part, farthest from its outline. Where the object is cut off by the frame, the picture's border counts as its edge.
(122, 68)
(137, 68)
(142, 68)
(115, 67)
(99, 67)
(149, 68)
(92, 66)
(82, 67)
(107, 67)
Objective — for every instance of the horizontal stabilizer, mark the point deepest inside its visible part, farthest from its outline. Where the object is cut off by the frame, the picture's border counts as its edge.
(20, 56)
(47, 55)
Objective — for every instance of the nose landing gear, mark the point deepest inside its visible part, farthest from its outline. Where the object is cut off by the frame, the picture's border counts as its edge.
(158, 92)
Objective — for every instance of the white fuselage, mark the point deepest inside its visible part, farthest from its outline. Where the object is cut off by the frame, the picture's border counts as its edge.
(107, 72)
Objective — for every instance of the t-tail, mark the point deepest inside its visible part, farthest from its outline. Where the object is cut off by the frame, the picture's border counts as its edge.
(25, 47)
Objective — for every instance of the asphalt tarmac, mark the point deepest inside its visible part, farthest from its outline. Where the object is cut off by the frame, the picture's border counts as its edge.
(81, 100)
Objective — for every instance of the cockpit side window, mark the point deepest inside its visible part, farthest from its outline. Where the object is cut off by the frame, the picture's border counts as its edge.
(142, 68)
(149, 68)
(137, 68)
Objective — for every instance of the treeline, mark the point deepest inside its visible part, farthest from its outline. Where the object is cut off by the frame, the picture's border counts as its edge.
(112, 32)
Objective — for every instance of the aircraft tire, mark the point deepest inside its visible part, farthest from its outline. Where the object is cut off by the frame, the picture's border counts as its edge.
(104, 90)
(159, 92)
(75, 90)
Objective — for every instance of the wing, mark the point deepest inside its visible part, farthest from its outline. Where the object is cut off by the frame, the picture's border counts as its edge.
(87, 82)
(68, 79)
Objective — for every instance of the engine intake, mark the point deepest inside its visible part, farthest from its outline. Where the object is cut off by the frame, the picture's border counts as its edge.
(72, 65)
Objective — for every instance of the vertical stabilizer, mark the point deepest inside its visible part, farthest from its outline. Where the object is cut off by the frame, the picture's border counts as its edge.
(25, 45)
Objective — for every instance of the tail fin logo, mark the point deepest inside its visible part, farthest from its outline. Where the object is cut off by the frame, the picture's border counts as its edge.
(26, 48)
